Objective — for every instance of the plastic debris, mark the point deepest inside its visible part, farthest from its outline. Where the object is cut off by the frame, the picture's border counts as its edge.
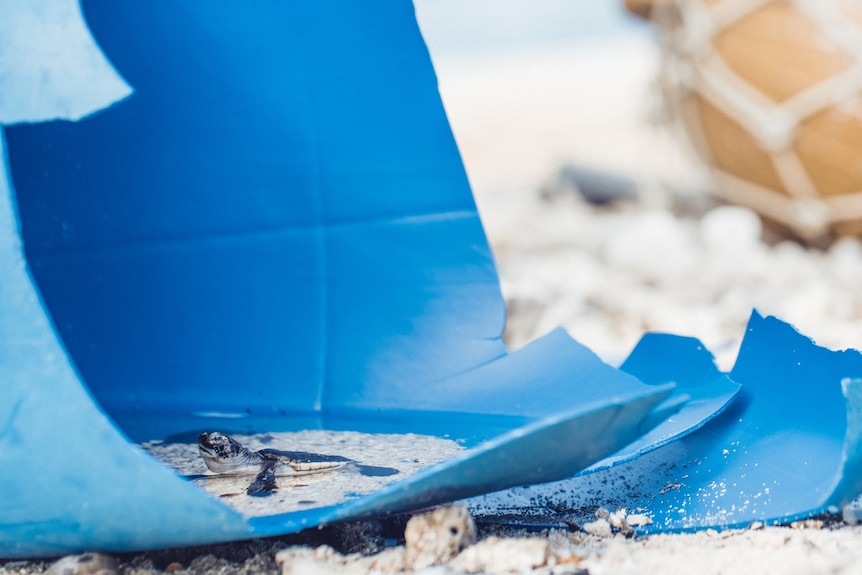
(274, 232)
(52, 68)
(435, 537)
(232, 247)
(662, 359)
(787, 448)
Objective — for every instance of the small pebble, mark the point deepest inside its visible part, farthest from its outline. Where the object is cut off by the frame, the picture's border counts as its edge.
(436, 537)
(638, 520)
(600, 528)
(84, 564)
(503, 555)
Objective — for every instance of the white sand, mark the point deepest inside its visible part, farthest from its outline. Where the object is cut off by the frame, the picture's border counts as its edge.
(406, 453)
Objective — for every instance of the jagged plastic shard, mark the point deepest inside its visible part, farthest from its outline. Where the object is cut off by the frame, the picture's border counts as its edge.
(51, 66)
(786, 448)
(659, 359)
(274, 232)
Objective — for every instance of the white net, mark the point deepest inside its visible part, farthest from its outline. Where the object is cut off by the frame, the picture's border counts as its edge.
(770, 93)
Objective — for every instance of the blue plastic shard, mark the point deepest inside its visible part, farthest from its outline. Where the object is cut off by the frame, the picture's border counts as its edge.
(275, 184)
(52, 67)
(98, 487)
(788, 447)
(274, 232)
(541, 450)
(660, 359)
(849, 481)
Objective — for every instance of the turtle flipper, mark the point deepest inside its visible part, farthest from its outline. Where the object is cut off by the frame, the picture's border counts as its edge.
(303, 462)
(303, 467)
(264, 483)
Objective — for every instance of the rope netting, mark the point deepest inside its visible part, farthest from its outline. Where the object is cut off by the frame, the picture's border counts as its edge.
(763, 86)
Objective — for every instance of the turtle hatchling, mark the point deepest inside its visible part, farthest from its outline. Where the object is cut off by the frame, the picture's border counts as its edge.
(224, 455)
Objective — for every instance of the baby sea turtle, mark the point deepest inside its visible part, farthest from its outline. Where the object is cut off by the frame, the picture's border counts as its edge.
(224, 455)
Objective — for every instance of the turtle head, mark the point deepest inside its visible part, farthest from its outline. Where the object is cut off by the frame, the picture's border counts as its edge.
(220, 452)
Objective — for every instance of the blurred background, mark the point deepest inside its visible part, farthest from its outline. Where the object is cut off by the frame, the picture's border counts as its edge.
(531, 86)
(602, 216)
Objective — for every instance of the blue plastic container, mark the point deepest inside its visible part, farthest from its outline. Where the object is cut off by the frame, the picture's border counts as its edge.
(274, 231)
